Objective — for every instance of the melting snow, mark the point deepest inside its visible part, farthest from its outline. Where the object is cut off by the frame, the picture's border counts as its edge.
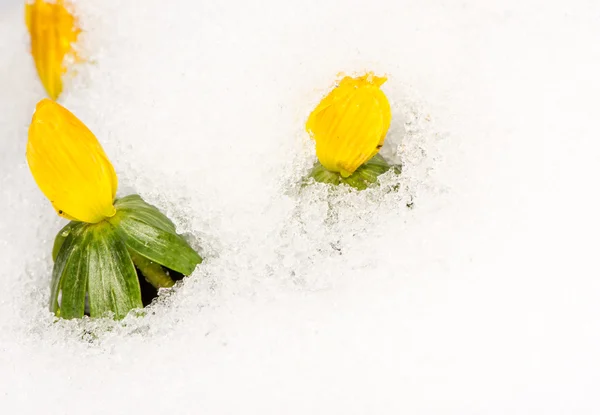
(472, 288)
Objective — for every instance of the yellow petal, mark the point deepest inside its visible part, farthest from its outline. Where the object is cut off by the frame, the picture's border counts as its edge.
(69, 164)
(53, 31)
(349, 125)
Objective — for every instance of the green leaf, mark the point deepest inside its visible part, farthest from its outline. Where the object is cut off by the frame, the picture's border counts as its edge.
(68, 252)
(92, 259)
(134, 205)
(61, 236)
(154, 273)
(362, 178)
(75, 279)
(367, 173)
(112, 282)
(152, 235)
(322, 175)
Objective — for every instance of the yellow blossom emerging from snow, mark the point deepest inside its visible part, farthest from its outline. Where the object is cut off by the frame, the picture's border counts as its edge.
(53, 31)
(349, 125)
(69, 165)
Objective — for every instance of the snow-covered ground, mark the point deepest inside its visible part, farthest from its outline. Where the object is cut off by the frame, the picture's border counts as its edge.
(481, 299)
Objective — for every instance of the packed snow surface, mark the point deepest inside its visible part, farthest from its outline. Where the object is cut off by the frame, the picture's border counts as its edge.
(469, 285)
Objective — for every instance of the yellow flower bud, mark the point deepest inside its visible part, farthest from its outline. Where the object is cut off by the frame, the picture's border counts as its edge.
(349, 125)
(53, 31)
(69, 165)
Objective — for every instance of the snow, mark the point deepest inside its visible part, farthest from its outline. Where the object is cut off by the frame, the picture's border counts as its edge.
(481, 299)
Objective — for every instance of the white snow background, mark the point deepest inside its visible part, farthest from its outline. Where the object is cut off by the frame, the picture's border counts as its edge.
(481, 299)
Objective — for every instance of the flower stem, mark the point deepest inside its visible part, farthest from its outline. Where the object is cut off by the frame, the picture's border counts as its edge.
(153, 272)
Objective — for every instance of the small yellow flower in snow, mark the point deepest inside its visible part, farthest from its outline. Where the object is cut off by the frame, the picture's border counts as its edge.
(349, 125)
(52, 29)
(69, 165)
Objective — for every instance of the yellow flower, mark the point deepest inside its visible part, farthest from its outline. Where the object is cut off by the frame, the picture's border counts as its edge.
(349, 125)
(69, 165)
(52, 29)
